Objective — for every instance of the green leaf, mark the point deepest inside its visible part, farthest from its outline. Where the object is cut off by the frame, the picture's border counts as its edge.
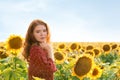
(6, 73)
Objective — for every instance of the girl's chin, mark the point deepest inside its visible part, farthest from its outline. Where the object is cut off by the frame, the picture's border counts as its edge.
(42, 41)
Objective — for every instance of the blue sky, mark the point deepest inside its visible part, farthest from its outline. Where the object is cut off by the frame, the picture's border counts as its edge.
(69, 20)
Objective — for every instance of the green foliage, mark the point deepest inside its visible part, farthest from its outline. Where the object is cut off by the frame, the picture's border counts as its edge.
(110, 64)
(64, 71)
(109, 58)
(13, 68)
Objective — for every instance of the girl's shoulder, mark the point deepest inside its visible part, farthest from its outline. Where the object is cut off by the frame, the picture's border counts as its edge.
(35, 44)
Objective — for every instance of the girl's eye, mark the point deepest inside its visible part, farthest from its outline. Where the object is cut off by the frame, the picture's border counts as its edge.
(37, 31)
(44, 30)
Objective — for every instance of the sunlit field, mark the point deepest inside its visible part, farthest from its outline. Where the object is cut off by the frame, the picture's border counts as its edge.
(74, 60)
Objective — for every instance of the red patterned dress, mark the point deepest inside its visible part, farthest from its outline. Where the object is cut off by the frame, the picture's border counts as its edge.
(39, 64)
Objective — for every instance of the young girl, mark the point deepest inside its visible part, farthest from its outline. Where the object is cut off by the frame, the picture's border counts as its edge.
(38, 52)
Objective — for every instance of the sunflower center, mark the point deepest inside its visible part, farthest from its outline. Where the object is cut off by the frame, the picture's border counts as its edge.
(96, 51)
(83, 66)
(15, 43)
(73, 46)
(58, 56)
(62, 46)
(95, 72)
(89, 47)
(106, 47)
(114, 46)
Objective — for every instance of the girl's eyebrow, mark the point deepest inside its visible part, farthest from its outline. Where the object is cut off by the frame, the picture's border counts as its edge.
(42, 30)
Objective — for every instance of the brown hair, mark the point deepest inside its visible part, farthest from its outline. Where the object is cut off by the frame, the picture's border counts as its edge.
(29, 39)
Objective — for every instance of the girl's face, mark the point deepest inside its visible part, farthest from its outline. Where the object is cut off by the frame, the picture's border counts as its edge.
(40, 33)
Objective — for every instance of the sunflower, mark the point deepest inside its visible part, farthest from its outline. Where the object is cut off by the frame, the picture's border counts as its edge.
(96, 51)
(96, 73)
(79, 48)
(89, 47)
(118, 49)
(106, 48)
(3, 53)
(59, 57)
(73, 46)
(61, 46)
(14, 43)
(83, 66)
(114, 46)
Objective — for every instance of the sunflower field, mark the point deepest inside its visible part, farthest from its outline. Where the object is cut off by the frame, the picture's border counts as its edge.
(74, 60)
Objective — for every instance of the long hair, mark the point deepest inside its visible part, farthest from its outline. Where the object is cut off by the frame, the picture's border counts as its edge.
(30, 39)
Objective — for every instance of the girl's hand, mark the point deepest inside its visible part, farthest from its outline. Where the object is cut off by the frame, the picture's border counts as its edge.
(46, 47)
(49, 50)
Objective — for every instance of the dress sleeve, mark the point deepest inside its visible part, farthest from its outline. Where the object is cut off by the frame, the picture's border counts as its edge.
(41, 56)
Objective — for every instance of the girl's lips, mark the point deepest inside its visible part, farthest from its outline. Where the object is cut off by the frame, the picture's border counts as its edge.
(42, 38)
